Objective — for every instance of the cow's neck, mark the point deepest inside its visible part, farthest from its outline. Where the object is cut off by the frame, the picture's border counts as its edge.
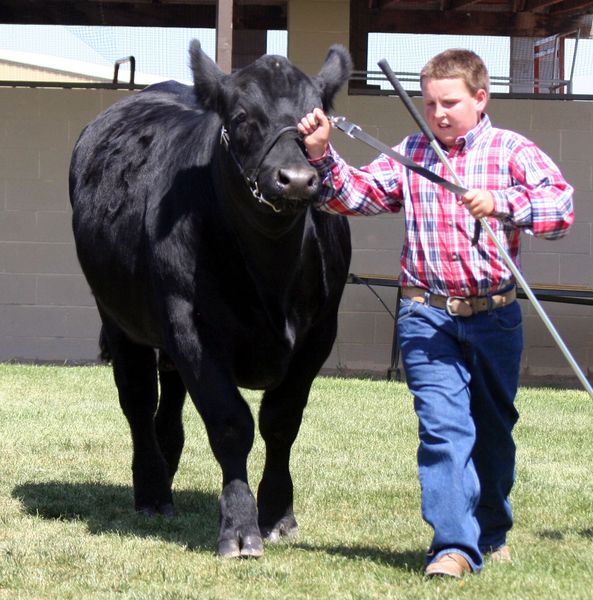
(271, 243)
(279, 253)
(252, 220)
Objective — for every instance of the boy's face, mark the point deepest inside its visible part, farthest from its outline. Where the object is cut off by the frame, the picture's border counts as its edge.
(450, 109)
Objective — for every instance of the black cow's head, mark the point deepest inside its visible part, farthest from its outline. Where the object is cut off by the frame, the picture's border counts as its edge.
(260, 106)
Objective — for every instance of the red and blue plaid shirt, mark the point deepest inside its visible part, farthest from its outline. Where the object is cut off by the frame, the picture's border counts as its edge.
(529, 192)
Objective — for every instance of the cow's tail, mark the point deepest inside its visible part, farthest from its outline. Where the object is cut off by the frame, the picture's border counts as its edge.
(104, 353)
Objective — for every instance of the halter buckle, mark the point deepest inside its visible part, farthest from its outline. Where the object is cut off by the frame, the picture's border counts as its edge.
(225, 140)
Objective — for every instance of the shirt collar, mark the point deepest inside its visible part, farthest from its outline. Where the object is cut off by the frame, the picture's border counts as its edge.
(465, 142)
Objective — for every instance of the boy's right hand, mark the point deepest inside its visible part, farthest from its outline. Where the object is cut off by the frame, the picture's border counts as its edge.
(315, 128)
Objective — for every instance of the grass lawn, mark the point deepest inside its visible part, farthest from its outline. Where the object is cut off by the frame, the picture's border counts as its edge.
(68, 529)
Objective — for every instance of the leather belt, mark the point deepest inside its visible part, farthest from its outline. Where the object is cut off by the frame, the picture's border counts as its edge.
(460, 306)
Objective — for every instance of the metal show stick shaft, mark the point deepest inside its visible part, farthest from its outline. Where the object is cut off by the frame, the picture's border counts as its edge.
(384, 66)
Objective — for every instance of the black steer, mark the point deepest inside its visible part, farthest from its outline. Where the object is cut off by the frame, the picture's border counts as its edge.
(194, 226)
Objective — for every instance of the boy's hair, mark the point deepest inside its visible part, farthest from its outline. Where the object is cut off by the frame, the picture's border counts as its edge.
(458, 63)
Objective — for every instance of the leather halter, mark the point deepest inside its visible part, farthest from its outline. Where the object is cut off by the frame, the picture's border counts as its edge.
(251, 176)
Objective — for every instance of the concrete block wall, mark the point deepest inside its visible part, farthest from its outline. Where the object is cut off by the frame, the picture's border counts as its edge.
(563, 129)
(313, 26)
(48, 314)
(46, 310)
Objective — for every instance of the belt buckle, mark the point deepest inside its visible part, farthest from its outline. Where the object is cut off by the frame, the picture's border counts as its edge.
(449, 309)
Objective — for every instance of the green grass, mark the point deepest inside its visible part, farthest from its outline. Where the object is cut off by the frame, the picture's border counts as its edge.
(67, 528)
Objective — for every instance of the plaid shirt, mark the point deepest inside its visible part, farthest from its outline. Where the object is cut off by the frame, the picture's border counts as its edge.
(529, 192)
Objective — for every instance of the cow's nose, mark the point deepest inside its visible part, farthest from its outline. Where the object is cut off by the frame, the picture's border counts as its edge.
(297, 183)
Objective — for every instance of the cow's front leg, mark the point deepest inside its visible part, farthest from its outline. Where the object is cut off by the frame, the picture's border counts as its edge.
(279, 422)
(280, 416)
(230, 428)
(239, 533)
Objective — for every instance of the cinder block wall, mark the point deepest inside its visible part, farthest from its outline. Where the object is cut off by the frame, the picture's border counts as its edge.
(562, 129)
(46, 310)
(48, 314)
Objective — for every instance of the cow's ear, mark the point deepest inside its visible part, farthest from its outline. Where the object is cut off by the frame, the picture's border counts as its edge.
(209, 80)
(334, 72)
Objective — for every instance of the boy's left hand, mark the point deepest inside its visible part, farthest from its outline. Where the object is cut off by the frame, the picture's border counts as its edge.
(480, 203)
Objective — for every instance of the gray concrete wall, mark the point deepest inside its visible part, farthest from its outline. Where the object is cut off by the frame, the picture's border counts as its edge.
(48, 314)
(563, 130)
(46, 310)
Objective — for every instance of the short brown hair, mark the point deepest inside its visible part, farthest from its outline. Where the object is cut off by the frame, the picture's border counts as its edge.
(458, 63)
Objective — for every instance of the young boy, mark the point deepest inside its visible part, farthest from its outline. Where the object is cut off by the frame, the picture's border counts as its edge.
(459, 325)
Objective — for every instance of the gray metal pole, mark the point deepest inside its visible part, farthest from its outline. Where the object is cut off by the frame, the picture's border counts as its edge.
(384, 65)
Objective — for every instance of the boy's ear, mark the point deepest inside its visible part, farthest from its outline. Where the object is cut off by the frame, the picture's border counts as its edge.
(481, 99)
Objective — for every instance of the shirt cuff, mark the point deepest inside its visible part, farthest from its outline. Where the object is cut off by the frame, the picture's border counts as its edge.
(325, 162)
(502, 209)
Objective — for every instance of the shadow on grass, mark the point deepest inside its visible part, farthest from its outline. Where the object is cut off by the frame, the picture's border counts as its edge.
(109, 509)
(552, 534)
(406, 561)
(105, 508)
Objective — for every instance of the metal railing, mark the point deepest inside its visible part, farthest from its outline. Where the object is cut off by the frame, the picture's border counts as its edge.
(122, 61)
(92, 83)
(375, 79)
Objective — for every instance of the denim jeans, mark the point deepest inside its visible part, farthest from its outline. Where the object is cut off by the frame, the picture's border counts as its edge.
(463, 373)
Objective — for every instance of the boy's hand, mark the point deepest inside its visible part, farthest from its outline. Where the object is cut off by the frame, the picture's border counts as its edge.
(480, 203)
(315, 128)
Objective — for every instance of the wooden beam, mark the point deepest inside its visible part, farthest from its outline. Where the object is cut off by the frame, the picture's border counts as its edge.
(519, 5)
(78, 12)
(224, 35)
(139, 13)
(462, 4)
(521, 24)
(386, 4)
(580, 7)
(535, 5)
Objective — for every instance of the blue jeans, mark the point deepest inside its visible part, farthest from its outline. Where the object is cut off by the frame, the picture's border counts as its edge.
(464, 373)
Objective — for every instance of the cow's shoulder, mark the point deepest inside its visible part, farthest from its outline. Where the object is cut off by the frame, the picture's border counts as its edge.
(175, 91)
(153, 133)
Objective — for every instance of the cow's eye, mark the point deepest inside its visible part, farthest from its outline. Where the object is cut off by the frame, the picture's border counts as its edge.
(239, 118)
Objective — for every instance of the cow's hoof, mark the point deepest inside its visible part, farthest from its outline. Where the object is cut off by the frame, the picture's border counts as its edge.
(152, 510)
(285, 528)
(249, 547)
(147, 511)
(167, 510)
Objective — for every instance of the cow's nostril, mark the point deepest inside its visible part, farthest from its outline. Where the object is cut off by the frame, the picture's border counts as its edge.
(297, 181)
(312, 183)
(283, 177)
